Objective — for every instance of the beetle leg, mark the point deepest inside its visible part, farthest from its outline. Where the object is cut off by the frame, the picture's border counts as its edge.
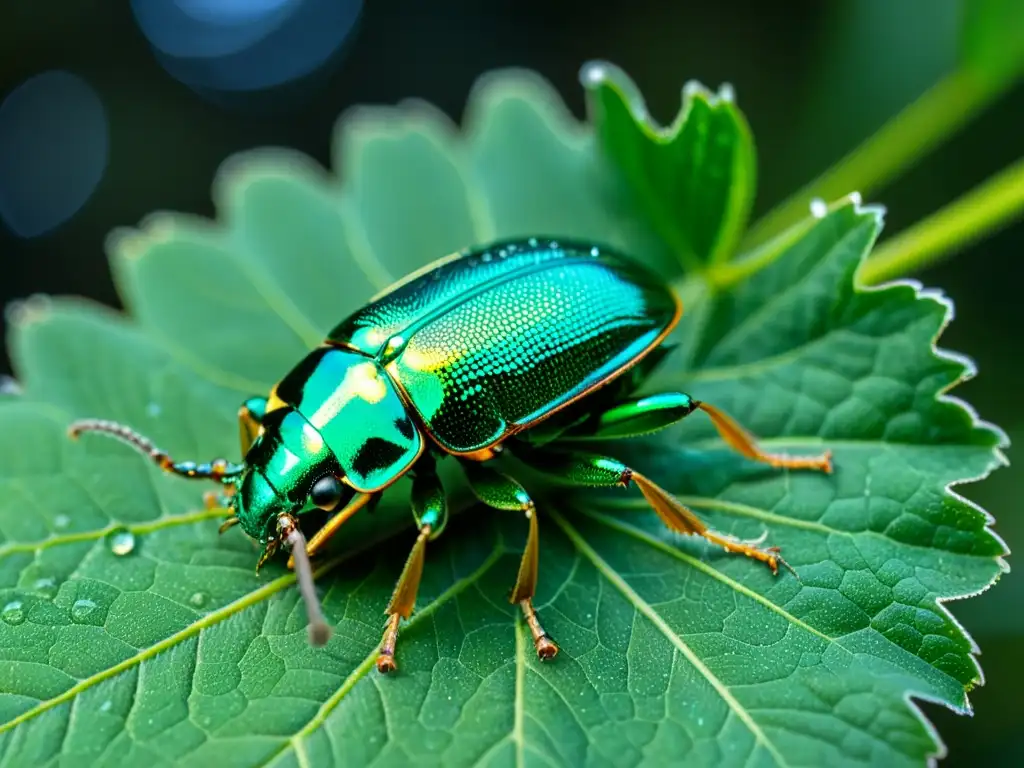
(322, 536)
(502, 492)
(250, 417)
(403, 600)
(635, 416)
(743, 442)
(587, 469)
(220, 470)
(430, 508)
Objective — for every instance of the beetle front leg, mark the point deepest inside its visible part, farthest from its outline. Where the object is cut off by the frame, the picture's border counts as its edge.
(587, 469)
(502, 492)
(430, 507)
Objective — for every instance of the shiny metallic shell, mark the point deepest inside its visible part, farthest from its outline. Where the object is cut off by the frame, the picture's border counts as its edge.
(485, 343)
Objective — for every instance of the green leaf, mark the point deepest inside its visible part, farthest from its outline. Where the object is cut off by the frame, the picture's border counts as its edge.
(695, 180)
(132, 633)
(992, 40)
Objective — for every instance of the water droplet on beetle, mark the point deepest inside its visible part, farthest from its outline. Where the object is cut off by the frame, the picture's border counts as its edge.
(198, 599)
(61, 521)
(82, 609)
(13, 613)
(819, 208)
(46, 586)
(121, 542)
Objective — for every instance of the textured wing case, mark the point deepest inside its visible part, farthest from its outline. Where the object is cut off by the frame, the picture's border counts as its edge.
(487, 344)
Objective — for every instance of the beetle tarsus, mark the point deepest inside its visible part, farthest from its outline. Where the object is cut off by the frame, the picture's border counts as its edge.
(768, 555)
(546, 647)
(386, 656)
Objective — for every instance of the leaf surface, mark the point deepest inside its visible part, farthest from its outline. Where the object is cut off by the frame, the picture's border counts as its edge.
(133, 634)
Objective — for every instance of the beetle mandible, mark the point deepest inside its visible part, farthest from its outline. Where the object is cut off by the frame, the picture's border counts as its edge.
(514, 345)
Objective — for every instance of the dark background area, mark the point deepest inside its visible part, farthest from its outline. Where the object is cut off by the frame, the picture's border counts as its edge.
(813, 81)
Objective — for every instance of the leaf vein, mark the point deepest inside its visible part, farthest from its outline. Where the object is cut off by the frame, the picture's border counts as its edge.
(707, 569)
(364, 667)
(651, 615)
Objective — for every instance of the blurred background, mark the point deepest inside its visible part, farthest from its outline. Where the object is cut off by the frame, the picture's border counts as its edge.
(111, 110)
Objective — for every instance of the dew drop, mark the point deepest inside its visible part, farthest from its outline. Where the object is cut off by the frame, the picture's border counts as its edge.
(46, 586)
(692, 88)
(819, 208)
(106, 705)
(13, 613)
(121, 542)
(198, 599)
(856, 199)
(153, 409)
(82, 609)
(9, 386)
(727, 93)
(61, 521)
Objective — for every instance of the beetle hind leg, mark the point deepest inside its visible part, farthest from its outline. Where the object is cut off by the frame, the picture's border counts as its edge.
(587, 469)
(501, 492)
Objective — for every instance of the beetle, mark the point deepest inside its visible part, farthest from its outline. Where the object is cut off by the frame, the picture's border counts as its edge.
(521, 345)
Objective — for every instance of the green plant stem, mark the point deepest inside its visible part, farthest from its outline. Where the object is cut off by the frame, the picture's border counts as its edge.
(934, 117)
(985, 209)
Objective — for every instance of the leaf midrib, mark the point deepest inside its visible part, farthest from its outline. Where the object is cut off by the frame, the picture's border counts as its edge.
(680, 645)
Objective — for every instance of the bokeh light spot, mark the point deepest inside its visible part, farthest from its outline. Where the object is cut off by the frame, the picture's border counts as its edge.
(53, 151)
(244, 45)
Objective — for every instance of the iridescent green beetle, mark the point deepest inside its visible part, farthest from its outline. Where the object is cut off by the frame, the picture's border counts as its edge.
(510, 346)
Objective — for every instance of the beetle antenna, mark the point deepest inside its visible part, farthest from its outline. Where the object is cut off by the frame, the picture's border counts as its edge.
(319, 630)
(219, 469)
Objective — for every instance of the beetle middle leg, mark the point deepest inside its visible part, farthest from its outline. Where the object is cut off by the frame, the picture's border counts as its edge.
(588, 469)
(502, 492)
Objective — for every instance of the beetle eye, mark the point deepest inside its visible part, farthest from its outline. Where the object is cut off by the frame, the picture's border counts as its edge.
(326, 493)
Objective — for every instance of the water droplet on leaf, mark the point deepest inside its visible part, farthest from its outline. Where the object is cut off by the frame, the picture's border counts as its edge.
(106, 705)
(61, 521)
(9, 386)
(198, 599)
(47, 586)
(819, 208)
(82, 609)
(13, 613)
(121, 541)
